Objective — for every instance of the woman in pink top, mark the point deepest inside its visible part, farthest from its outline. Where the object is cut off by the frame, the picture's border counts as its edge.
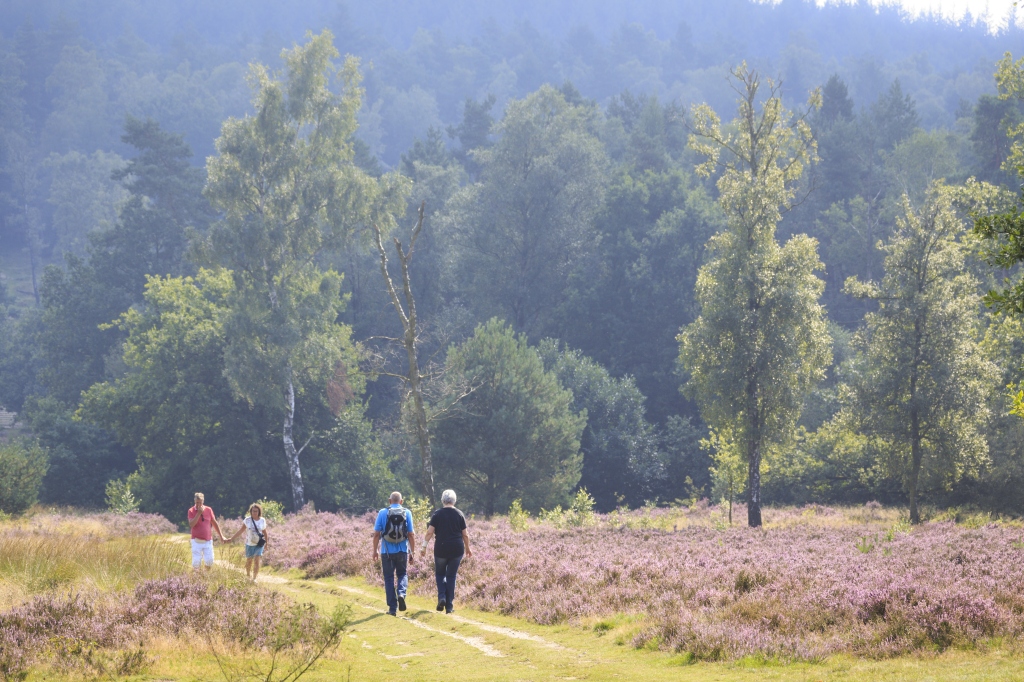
(202, 521)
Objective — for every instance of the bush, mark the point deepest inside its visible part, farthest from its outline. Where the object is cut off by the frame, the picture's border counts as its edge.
(120, 499)
(272, 510)
(23, 465)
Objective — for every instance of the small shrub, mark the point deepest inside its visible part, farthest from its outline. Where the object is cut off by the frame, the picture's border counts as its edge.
(272, 510)
(518, 518)
(23, 465)
(865, 545)
(120, 499)
(581, 511)
(901, 527)
(420, 508)
(294, 643)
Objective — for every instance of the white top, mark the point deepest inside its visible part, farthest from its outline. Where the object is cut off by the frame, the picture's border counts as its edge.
(251, 538)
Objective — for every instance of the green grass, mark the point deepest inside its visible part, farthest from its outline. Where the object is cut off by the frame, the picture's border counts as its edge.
(38, 563)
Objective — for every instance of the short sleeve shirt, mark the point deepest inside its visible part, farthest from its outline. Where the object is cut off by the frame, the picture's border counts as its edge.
(378, 527)
(251, 538)
(448, 524)
(201, 531)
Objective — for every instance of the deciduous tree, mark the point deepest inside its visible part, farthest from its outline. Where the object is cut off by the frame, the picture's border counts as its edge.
(760, 342)
(286, 183)
(921, 381)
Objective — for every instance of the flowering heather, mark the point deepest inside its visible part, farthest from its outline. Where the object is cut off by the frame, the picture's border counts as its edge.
(66, 630)
(816, 581)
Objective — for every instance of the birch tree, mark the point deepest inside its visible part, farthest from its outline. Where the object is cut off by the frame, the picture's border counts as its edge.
(285, 181)
(760, 342)
(921, 381)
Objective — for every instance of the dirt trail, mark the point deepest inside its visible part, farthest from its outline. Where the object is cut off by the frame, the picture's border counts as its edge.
(486, 627)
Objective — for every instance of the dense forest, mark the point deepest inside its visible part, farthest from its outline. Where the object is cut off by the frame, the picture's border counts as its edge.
(317, 251)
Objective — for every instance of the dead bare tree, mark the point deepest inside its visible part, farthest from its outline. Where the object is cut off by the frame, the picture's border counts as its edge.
(413, 378)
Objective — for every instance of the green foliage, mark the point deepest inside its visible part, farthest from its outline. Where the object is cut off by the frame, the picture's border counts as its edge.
(515, 436)
(272, 511)
(921, 382)
(285, 182)
(518, 518)
(23, 465)
(83, 456)
(175, 409)
(120, 499)
(760, 342)
(619, 446)
(518, 234)
(420, 508)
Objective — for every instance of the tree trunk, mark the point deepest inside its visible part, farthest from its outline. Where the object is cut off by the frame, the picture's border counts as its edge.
(413, 377)
(753, 459)
(30, 233)
(915, 463)
(290, 453)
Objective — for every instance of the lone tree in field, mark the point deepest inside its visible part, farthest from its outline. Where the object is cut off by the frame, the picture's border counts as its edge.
(285, 181)
(921, 381)
(760, 342)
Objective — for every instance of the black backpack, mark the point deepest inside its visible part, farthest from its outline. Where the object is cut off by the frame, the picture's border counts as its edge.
(395, 527)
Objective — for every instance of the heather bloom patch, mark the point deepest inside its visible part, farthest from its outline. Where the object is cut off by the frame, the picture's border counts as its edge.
(815, 582)
(73, 631)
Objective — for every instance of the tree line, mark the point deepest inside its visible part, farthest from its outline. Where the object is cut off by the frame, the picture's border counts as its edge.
(576, 266)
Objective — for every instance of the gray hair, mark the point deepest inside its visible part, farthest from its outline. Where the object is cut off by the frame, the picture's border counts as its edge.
(448, 497)
(200, 497)
(396, 498)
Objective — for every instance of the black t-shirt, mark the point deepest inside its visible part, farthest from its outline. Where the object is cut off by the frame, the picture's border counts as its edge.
(448, 524)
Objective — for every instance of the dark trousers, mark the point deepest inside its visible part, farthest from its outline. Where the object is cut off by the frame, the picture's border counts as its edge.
(394, 565)
(445, 571)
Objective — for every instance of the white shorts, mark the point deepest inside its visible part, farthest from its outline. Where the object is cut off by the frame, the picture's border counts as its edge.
(202, 552)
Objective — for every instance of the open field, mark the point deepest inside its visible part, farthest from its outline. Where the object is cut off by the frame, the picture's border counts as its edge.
(144, 622)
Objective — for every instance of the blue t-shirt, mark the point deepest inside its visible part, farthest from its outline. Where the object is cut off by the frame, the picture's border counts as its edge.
(382, 519)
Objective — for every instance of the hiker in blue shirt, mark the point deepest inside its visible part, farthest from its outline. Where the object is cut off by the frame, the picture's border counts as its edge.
(394, 542)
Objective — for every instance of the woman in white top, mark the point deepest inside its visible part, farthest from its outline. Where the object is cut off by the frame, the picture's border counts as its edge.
(255, 528)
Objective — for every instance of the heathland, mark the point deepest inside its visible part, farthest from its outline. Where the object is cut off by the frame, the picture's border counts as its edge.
(817, 593)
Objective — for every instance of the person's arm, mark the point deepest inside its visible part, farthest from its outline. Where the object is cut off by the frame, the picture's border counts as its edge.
(216, 526)
(427, 538)
(266, 536)
(196, 517)
(465, 539)
(376, 545)
(412, 545)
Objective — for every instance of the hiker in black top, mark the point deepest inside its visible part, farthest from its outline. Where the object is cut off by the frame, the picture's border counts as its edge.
(448, 525)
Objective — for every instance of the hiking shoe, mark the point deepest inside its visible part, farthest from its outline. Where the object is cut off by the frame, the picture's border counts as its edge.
(440, 605)
(448, 608)
(401, 603)
(392, 613)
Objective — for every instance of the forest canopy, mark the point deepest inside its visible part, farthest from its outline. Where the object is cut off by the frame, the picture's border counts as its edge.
(668, 251)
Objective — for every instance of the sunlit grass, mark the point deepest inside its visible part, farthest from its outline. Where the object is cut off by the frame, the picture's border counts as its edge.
(39, 563)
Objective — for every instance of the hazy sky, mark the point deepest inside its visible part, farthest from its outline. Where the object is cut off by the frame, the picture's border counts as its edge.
(994, 11)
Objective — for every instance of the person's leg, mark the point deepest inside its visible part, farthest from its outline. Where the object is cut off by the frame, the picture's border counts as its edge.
(197, 554)
(401, 567)
(248, 565)
(208, 553)
(451, 570)
(256, 566)
(439, 578)
(388, 566)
